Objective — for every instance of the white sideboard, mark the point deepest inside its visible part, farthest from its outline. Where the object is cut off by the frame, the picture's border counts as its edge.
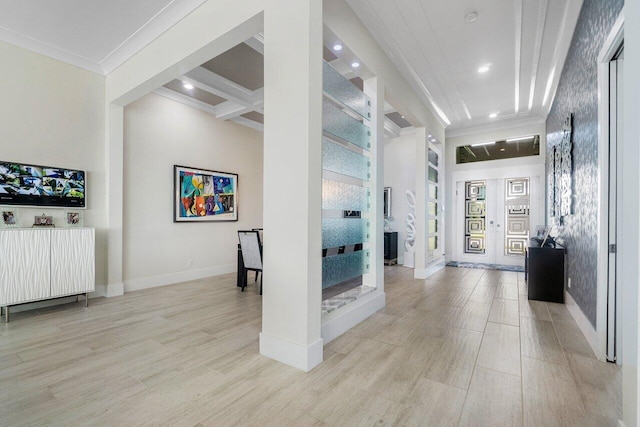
(38, 264)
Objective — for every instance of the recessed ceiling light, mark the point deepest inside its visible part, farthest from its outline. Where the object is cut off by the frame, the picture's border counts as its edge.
(402, 117)
(355, 64)
(337, 47)
(493, 115)
(429, 136)
(484, 69)
(471, 17)
(187, 86)
(502, 149)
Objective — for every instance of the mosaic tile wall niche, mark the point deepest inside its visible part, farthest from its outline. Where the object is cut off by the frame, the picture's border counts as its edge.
(578, 94)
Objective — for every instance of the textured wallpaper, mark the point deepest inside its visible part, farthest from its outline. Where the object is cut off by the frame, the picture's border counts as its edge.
(578, 94)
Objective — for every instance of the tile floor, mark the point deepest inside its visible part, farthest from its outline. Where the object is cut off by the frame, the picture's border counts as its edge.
(464, 347)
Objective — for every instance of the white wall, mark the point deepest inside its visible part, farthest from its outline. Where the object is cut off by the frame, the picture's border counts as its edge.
(630, 252)
(497, 168)
(400, 175)
(52, 114)
(160, 133)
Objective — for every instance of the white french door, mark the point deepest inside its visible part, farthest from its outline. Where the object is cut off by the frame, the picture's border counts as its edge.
(494, 219)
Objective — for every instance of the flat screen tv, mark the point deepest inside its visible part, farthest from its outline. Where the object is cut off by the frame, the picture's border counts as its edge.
(33, 185)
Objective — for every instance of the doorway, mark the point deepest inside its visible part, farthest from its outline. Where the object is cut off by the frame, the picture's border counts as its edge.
(494, 219)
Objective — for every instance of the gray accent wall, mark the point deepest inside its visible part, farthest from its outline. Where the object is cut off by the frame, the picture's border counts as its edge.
(578, 94)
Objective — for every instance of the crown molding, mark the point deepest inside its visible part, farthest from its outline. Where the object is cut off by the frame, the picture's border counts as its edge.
(161, 22)
(152, 29)
(45, 49)
(495, 126)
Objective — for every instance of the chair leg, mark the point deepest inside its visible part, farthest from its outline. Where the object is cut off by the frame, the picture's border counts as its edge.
(260, 282)
(256, 279)
(244, 279)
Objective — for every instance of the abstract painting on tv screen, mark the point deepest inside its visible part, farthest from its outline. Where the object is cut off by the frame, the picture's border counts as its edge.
(204, 195)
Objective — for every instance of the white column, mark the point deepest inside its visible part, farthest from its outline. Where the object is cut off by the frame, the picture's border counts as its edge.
(291, 304)
(375, 278)
(115, 169)
(422, 147)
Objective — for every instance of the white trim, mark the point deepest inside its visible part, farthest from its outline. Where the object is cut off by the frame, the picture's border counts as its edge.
(248, 123)
(495, 126)
(301, 357)
(609, 48)
(341, 320)
(621, 423)
(179, 277)
(425, 273)
(583, 323)
(114, 290)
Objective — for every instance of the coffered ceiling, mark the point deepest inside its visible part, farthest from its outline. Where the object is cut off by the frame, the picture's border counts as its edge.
(437, 45)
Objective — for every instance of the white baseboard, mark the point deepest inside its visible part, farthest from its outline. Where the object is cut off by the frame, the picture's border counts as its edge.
(425, 273)
(341, 320)
(585, 326)
(301, 357)
(114, 290)
(131, 285)
(101, 291)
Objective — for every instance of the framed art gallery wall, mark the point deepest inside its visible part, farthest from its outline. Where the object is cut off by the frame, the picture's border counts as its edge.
(158, 134)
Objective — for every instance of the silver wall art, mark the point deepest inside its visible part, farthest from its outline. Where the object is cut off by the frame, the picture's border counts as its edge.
(561, 177)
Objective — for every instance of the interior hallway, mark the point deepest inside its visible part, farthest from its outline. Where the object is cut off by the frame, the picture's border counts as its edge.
(464, 347)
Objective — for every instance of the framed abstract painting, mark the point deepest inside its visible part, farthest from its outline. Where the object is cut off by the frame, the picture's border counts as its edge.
(202, 195)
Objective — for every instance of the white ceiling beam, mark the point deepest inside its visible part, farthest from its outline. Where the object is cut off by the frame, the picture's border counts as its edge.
(211, 82)
(185, 99)
(249, 123)
(256, 43)
(391, 129)
(228, 110)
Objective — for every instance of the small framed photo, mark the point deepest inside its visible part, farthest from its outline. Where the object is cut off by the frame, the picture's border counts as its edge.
(542, 231)
(74, 219)
(9, 218)
(43, 221)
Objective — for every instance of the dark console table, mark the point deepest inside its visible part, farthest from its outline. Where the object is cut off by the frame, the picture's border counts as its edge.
(390, 247)
(544, 272)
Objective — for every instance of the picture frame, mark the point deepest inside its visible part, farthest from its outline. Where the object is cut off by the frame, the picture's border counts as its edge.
(9, 218)
(73, 219)
(542, 231)
(203, 195)
(43, 221)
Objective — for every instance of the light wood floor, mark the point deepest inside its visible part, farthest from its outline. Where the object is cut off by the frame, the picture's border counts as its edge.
(464, 347)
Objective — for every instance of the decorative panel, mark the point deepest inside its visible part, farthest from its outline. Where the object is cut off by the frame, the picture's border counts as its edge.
(341, 89)
(578, 93)
(72, 261)
(339, 124)
(342, 196)
(433, 157)
(475, 217)
(24, 265)
(339, 159)
(517, 206)
(432, 209)
(344, 231)
(433, 191)
(339, 268)
(433, 175)
(433, 243)
(433, 226)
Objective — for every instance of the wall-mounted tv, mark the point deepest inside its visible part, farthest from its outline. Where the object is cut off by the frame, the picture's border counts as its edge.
(33, 185)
